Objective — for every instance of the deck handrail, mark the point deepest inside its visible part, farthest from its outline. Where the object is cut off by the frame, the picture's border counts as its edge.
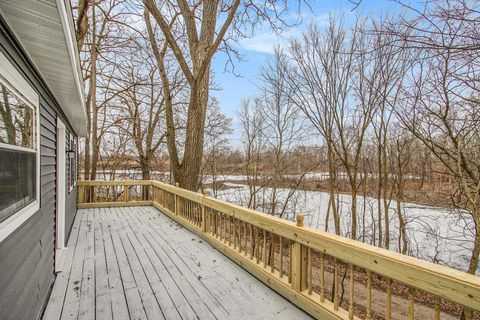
(308, 251)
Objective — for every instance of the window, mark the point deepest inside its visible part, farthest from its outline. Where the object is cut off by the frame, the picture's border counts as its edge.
(19, 159)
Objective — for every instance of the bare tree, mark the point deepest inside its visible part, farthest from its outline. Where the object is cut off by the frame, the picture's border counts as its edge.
(441, 106)
(285, 129)
(400, 151)
(99, 43)
(142, 103)
(82, 23)
(217, 128)
(321, 80)
(253, 125)
(194, 32)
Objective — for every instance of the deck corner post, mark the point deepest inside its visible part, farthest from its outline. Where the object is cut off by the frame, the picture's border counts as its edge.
(299, 261)
(81, 194)
(204, 216)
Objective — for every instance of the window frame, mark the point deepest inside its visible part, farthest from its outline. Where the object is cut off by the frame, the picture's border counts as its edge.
(13, 80)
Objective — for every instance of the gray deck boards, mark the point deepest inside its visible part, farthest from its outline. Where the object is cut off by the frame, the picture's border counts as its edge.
(136, 263)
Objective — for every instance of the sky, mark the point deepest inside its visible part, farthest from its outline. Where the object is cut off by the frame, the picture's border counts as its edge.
(256, 51)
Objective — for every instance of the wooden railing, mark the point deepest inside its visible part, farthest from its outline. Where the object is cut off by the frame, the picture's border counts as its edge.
(328, 276)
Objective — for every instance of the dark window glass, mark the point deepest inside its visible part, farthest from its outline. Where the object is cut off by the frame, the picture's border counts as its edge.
(17, 181)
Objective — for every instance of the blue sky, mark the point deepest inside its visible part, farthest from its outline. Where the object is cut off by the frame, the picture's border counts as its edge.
(256, 51)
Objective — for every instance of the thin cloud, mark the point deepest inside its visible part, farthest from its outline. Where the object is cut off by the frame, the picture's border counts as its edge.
(265, 41)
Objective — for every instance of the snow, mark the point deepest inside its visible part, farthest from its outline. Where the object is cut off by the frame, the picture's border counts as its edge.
(439, 235)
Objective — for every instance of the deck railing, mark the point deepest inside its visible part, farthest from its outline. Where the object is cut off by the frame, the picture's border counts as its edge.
(328, 276)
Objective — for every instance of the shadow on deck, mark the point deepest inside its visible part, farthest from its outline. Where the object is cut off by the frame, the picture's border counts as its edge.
(136, 263)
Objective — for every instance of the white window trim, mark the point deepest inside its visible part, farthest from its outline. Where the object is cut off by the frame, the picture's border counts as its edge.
(13, 80)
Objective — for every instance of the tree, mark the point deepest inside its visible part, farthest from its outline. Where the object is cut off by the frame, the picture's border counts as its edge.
(442, 97)
(142, 104)
(82, 25)
(194, 32)
(253, 125)
(100, 43)
(284, 129)
(218, 126)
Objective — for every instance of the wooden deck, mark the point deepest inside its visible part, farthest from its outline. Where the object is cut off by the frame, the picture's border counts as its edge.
(136, 263)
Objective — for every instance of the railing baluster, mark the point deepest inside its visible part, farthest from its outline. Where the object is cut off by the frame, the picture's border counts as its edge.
(272, 253)
(175, 200)
(335, 286)
(322, 277)
(245, 237)
(389, 299)
(221, 226)
(280, 267)
(225, 229)
(309, 271)
(203, 213)
(411, 303)
(290, 262)
(211, 221)
(369, 295)
(235, 222)
(264, 249)
(352, 288)
(252, 244)
(218, 225)
(257, 247)
(437, 308)
(467, 313)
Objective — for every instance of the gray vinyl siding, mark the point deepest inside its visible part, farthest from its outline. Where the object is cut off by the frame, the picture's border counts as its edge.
(27, 255)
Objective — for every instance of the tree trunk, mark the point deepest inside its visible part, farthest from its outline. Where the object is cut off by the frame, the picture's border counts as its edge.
(386, 203)
(5, 112)
(331, 188)
(187, 173)
(379, 197)
(354, 211)
(402, 243)
(145, 167)
(472, 268)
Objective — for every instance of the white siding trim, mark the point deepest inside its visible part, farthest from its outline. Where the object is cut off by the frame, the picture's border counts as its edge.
(11, 224)
(16, 82)
(67, 19)
(61, 192)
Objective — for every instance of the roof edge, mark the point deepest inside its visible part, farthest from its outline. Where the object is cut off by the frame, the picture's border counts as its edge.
(66, 16)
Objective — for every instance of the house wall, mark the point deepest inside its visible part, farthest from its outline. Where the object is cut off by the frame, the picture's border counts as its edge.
(27, 255)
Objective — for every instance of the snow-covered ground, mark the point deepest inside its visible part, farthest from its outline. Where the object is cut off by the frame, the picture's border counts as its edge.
(435, 234)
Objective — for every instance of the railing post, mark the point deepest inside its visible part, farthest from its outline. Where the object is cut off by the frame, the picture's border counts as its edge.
(81, 194)
(154, 192)
(204, 215)
(299, 261)
(175, 199)
(125, 192)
